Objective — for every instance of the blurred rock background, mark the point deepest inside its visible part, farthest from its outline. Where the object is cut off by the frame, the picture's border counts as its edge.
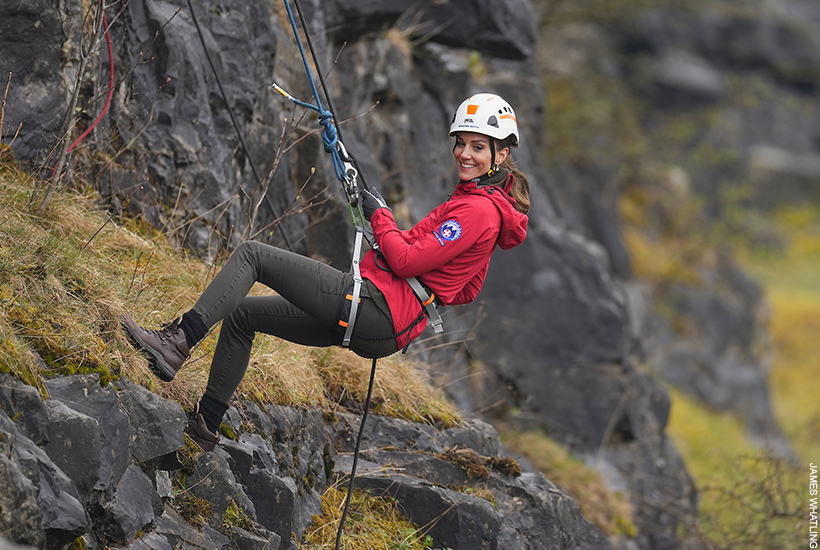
(670, 146)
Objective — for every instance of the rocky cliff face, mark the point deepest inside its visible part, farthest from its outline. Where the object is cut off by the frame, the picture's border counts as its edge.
(103, 463)
(562, 331)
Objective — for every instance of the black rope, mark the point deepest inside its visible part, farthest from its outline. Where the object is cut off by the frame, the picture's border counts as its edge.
(230, 111)
(356, 455)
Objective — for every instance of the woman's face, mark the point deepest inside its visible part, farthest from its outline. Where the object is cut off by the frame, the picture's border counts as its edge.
(473, 156)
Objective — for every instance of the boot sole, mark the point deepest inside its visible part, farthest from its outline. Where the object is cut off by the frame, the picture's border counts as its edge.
(156, 363)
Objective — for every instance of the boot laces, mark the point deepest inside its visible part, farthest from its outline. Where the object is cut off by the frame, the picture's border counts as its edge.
(167, 331)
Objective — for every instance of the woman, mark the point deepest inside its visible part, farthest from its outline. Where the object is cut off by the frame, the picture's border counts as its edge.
(448, 251)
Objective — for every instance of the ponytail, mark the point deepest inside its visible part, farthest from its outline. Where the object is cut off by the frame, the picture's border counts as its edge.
(520, 189)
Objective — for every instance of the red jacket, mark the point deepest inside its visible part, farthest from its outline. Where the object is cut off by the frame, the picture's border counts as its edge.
(449, 250)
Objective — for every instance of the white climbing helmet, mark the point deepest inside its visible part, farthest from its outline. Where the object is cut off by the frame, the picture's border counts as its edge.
(486, 114)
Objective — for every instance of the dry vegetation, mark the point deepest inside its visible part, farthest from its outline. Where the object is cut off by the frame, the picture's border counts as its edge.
(67, 277)
(608, 511)
(378, 525)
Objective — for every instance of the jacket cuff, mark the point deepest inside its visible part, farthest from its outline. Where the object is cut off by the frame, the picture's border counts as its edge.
(381, 215)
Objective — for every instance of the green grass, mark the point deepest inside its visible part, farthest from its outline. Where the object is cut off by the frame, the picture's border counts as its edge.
(790, 278)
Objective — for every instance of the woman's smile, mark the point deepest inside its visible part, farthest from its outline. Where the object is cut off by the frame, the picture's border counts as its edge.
(473, 155)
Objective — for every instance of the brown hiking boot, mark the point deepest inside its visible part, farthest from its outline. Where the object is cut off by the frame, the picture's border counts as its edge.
(166, 349)
(199, 433)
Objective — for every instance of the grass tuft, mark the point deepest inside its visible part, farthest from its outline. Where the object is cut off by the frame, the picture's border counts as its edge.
(236, 517)
(374, 523)
(468, 460)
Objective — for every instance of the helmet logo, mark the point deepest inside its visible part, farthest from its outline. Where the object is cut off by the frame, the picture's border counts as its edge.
(471, 109)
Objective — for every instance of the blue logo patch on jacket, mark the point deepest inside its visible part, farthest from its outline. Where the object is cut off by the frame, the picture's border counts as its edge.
(449, 230)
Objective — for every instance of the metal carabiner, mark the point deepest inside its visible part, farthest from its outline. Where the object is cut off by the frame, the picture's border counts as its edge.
(351, 174)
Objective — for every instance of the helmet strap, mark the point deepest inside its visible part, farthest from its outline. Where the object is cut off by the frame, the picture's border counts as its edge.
(493, 165)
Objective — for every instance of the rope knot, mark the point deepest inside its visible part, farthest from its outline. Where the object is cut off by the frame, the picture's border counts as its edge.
(329, 137)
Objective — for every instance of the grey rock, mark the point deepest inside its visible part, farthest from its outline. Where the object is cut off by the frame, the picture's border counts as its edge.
(263, 455)
(302, 445)
(423, 466)
(475, 434)
(381, 431)
(257, 417)
(179, 534)
(457, 520)
(343, 464)
(18, 506)
(191, 137)
(682, 77)
(156, 424)
(60, 514)
(660, 489)
(243, 540)
(5, 544)
(132, 507)
(24, 403)
(503, 29)
(85, 395)
(240, 458)
(721, 363)
(784, 162)
(233, 418)
(150, 541)
(33, 37)
(541, 517)
(250, 452)
(275, 500)
(213, 481)
(74, 445)
(163, 484)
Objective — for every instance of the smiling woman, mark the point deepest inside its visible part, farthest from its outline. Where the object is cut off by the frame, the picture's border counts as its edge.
(485, 129)
(447, 253)
(473, 154)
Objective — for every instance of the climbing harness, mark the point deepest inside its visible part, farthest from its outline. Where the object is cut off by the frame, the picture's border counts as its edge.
(428, 302)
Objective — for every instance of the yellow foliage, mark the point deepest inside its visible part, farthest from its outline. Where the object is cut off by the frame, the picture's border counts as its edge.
(663, 261)
(748, 498)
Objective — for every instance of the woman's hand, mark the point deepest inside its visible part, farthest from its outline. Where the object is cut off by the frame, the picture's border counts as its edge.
(372, 200)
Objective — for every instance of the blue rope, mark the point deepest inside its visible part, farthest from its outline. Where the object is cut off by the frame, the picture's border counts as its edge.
(329, 133)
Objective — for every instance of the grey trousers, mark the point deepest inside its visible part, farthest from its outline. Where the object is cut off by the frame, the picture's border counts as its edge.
(305, 311)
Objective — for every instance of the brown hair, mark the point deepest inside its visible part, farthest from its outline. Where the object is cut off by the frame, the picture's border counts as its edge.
(520, 189)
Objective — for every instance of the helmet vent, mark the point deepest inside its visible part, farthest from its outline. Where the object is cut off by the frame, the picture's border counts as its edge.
(492, 121)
